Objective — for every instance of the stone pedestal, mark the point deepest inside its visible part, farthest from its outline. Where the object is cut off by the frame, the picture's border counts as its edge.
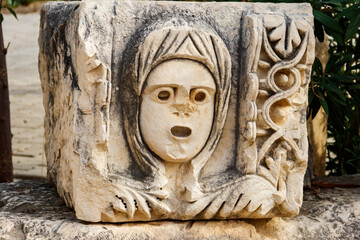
(176, 110)
(33, 210)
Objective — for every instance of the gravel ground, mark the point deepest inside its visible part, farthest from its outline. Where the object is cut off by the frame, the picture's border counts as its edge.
(26, 107)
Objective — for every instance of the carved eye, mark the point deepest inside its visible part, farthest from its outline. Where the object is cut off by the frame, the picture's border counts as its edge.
(163, 94)
(199, 96)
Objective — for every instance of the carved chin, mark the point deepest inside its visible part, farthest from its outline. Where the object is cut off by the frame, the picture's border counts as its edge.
(177, 152)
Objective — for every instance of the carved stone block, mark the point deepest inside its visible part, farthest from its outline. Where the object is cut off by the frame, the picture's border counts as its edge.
(176, 110)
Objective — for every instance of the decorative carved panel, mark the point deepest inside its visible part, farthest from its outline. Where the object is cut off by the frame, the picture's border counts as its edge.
(164, 110)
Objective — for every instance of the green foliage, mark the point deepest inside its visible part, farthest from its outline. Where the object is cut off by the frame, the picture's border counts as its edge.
(339, 83)
(16, 3)
(337, 87)
(9, 6)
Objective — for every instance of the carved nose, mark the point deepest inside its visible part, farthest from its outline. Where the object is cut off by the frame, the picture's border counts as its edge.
(182, 110)
(181, 114)
(180, 131)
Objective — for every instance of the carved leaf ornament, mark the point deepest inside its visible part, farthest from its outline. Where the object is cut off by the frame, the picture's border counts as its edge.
(131, 200)
(279, 155)
(280, 148)
(264, 190)
(126, 138)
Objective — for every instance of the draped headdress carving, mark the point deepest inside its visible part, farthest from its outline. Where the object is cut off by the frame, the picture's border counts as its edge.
(175, 40)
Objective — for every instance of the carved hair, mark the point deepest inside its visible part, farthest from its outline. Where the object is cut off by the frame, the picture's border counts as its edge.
(175, 40)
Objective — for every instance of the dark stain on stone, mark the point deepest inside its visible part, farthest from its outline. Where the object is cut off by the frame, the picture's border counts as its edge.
(2, 204)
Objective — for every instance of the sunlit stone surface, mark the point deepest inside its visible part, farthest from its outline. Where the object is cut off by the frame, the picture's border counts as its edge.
(173, 110)
(332, 213)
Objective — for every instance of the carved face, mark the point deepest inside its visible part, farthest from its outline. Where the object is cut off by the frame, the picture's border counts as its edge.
(177, 109)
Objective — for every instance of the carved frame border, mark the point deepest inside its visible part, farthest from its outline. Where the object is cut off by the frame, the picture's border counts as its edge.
(271, 157)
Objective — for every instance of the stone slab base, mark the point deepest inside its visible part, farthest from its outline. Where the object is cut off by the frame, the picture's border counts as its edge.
(31, 209)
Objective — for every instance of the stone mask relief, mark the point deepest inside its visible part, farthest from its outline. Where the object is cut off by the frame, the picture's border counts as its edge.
(177, 109)
(172, 112)
(180, 81)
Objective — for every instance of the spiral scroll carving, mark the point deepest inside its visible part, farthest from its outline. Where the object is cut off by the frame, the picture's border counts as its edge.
(275, 141)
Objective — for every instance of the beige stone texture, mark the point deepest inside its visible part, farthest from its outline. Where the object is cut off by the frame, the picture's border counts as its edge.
(33, 210)
(317, 130)
(173, 110)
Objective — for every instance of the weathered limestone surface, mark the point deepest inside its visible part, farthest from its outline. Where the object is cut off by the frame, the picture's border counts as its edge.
(33, 210)
(176, 110)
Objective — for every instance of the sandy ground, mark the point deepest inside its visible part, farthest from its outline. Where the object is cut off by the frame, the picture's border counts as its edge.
(26, 107)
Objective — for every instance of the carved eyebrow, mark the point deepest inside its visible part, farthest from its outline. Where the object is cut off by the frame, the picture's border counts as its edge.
(163, 85)
(208, 88)
(152, 87)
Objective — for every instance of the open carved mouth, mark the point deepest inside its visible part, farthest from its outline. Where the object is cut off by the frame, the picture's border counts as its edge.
(180, 132)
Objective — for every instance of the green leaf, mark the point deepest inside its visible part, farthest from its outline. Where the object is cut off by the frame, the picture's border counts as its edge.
(336, 99)
(345, 78)
(355, 86)
(322, 83)
(327, 21)
(317, 67)
(353, 27)
(319, 31)
(338, 37)
(323, 103)
(357, 50)
(311, 96)
(349, 151)
(12, 11)
(330, 64)
(335, 65)
(330, 86)
(330, 2)
(347, 12)
(314, 107)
